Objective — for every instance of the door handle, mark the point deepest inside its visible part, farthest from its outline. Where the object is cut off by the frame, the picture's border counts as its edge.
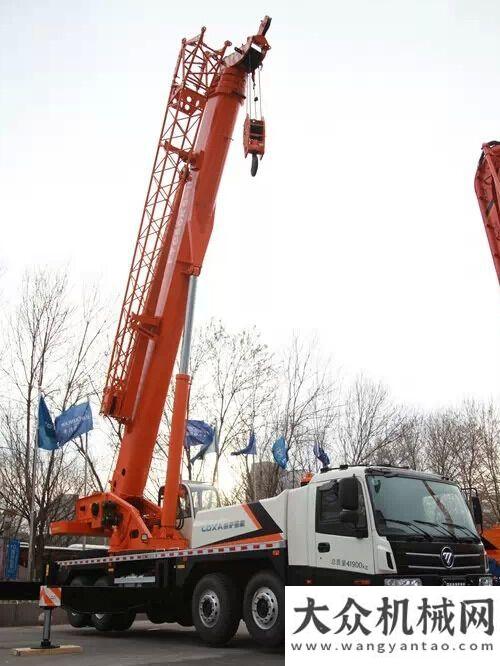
(323, 547)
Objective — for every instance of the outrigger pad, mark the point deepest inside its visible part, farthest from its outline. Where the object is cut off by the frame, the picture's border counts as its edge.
(39, 652)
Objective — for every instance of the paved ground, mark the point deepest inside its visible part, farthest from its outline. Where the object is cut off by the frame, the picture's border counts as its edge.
(143, 645)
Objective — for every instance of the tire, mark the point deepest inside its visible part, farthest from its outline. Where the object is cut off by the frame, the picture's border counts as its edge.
(102, 621)
(264, 609)
(123, 621)
(216, 609)
(79, 620)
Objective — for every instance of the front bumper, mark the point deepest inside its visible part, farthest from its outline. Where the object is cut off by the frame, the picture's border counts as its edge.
(446, 580)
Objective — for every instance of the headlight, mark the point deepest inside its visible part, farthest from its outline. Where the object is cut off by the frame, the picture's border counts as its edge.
(485, 580)
(402, 581)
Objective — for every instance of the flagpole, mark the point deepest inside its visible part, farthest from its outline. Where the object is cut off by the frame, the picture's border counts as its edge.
(31, 546)
(84, 539)
(254, 469)
(216, 447)
(254, 479)
(85, 472)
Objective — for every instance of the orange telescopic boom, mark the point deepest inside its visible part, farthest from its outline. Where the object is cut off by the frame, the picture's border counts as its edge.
(207, 91)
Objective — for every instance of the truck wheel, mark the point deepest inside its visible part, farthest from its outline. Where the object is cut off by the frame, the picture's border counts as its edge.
(102, 621)
(264, 609)
(216, 609)
(79, 620)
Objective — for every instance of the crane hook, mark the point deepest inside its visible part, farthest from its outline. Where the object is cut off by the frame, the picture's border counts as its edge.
(255, 164)
(254, 137)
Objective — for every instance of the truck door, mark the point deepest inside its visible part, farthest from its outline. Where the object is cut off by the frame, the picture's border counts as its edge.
(343, 551)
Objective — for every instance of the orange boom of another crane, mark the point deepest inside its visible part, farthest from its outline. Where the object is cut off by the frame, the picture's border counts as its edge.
(487, 185)
(207, 91)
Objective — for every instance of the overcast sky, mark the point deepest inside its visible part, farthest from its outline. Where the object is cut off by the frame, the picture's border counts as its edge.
(362, 225)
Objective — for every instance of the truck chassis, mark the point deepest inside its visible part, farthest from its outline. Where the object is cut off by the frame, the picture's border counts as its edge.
(212, 588)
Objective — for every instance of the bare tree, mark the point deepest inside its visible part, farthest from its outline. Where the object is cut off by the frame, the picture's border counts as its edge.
(50, 346)
(488, 469)
(302, 409)
(409, 448)
(442, 435)
(370, 423)
(232, 373)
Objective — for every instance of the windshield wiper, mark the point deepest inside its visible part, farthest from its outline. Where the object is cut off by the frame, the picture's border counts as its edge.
(464, 528)
(420, 530)
(438, 526)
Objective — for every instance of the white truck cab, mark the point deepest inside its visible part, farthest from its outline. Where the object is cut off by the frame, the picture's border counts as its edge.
(360, 525)
(382, 525)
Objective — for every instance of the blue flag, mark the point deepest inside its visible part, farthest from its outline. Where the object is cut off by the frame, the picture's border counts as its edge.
(208, 448)
(75, 421)
(12, 559)
(280, 452)
(204, 435)
(250, 449)
(321, 454)
(198, 433)
(46, 432)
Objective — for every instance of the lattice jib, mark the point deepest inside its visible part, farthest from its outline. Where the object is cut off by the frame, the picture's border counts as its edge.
(197, 65)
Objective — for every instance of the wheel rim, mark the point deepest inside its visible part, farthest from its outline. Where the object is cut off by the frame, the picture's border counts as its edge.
(264, 608)
(209, 608)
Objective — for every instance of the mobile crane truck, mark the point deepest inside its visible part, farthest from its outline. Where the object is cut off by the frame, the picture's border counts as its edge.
(185, 559)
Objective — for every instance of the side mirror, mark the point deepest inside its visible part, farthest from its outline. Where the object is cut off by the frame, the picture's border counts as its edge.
(352, 517)
(348, 494)
(348, 516)
(477, 510)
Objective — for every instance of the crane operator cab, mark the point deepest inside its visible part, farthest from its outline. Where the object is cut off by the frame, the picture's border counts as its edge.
(194, 496)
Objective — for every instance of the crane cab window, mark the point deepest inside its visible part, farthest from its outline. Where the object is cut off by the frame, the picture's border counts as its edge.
(204, 497)
(328, 511)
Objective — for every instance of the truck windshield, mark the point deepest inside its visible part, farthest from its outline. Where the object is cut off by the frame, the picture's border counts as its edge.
(407, 506)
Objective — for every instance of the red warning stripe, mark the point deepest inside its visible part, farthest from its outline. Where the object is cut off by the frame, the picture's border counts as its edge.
(50, 597)
(252, 516)
(253, 544)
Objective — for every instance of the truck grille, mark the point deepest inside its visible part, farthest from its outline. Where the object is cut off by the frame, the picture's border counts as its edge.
(464, 562)
(426, 558)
